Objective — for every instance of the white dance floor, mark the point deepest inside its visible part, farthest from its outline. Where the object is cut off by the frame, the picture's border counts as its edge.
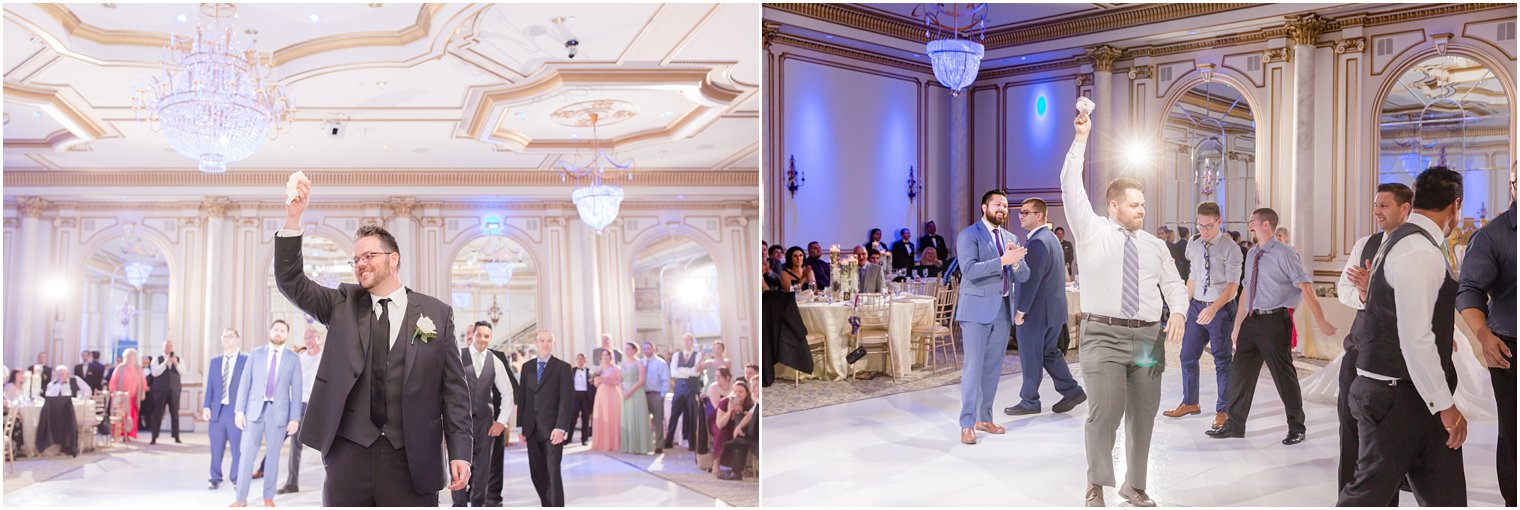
(175, 476)
(904, 450)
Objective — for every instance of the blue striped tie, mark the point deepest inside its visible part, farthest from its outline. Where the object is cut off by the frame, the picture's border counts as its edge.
(1131, 302)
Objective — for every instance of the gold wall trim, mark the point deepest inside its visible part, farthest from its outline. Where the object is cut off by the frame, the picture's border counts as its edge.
(78, 28)
(1054, 65)
(850, 53)
(433, 177)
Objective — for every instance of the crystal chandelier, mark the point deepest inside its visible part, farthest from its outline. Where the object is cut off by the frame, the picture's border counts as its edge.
(596, 201)
(137, 258)
(214, 100)
(956, 60)
(138, 273)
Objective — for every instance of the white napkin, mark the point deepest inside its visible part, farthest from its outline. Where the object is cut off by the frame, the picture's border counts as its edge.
(290, 186)
(1085, 105)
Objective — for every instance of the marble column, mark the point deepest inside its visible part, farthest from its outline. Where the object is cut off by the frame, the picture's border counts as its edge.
(31, 250)
(404, 227)
(1303, 31)
(961, 200)
(218, 281)
(1104, 117)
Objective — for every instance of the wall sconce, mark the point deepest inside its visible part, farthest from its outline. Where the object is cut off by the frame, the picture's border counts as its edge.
(913, 185)
(794, 179)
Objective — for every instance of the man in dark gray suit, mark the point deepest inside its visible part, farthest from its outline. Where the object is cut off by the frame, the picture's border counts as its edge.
(385, 345)
(546, 403)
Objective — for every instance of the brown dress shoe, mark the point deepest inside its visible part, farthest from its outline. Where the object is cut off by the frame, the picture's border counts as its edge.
(968, 436)
(268, 502)
(1219, 419)
(990, 428)
(238, 504)
(1182, 410)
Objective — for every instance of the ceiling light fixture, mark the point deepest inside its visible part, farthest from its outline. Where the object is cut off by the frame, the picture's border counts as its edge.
(955, 56)
(597, 203)
(214, 100)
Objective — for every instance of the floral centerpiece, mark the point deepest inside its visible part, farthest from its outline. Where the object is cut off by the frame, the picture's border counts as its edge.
(843, 273)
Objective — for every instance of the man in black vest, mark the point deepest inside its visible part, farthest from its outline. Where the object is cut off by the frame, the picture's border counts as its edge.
(167, 386)
(488, 380)
(686, 372)
(546, 405)
(1403, 398)
(1390, 208)
(584, 398)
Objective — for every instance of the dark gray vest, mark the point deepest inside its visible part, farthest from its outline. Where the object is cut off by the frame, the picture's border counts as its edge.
(356, 425)
(1380, 350)
(1369, 251)
(485, 401)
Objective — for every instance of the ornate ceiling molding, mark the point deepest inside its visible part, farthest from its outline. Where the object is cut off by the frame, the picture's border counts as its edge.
(363, 177)
(850, 53)
(76, 27)
(710, 100)
(58, 104)
(1054, 65)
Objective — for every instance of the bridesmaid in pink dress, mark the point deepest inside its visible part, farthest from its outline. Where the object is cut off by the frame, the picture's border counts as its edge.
(129, 378)
(607, 411)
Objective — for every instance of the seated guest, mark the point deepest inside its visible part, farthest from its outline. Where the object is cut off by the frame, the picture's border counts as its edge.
(929, 265)
(932, 239)
(13, 384)
(769, 280)
(66, 384)
(873, 277)
(774, 259)
(735, 414)
(721, 386)
(817, 265)
(796, 275)
(902, 251)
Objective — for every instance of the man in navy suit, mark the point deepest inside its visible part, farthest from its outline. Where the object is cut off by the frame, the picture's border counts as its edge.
(990, 264)
(1041, 311)
(268, 407)
(218, 407)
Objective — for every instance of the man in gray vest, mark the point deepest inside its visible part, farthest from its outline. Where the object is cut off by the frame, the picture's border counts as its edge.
(1408, 424)
(488, 381)
(688, 378)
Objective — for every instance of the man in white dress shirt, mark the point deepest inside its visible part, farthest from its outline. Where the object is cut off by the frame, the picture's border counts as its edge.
(487, 378)
(311, 358)
(1408, 424)
(1126, 275)
(1390, 208)
(66, 384)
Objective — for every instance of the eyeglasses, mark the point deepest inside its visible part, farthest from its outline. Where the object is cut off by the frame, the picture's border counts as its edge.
(366, 257)
(1206, 226)
(1025, 213)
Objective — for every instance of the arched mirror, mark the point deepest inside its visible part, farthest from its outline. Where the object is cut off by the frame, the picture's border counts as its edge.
(1210, 154)
(675, 291)
(327, 264)
(493, 279)
(1449, 110)
(126, 297)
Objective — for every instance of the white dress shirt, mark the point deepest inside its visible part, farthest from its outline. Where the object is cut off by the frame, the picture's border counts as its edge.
(1415, 269)
(1345, 290)
(581, 384)
(309, 364)
(679, 372)
(1100, 253)
(478, 360)
(994, 231)
(62, 389)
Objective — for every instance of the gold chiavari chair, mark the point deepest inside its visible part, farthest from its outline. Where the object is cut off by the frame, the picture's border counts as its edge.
(875, 312)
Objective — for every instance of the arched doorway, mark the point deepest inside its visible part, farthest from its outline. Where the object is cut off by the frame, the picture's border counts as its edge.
(1209, 154)
(675, 292)
(126, 297)
(492, 278)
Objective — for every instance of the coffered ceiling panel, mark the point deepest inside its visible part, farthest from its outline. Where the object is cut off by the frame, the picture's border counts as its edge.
(468, 86)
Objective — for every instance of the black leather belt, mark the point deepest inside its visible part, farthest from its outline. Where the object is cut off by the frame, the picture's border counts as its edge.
(1128, 323)
(1394, 382)
(1269, 312)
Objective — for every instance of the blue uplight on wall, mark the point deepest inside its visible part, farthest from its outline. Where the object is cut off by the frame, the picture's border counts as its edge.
(1040, 106)
(492, 225)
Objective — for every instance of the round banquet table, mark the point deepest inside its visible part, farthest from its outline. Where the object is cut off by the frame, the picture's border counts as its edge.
(833, 321)
(84, 411)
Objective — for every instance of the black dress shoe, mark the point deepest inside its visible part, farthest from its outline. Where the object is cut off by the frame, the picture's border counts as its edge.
(258, 474)
(1020, 410)
(286, 490)
(177, 441)
(213, 485)
(1069, 403)
(1293, 438)
(1224, 432)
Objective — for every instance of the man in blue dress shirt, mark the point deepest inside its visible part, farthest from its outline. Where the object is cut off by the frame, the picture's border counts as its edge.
(1486, 300)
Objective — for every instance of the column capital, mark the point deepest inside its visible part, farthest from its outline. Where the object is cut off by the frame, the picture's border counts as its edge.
(1352, 45)
(31, 207)
(1083, 79)
(401, 206)
(216, 207)
(1103, 57)
(1141, 72)
(768, 32)
(1276, 55)
(1306, 29)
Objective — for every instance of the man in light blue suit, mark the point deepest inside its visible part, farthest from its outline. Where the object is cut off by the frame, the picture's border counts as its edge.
(217, 408)
(990, 265)
(1039, 315)
(268, 395)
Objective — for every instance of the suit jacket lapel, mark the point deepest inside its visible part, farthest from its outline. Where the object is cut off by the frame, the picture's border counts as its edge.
(413, 312)
(363, 307)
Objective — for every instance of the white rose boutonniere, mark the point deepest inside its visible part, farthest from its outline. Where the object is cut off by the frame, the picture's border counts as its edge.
(426, 329)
